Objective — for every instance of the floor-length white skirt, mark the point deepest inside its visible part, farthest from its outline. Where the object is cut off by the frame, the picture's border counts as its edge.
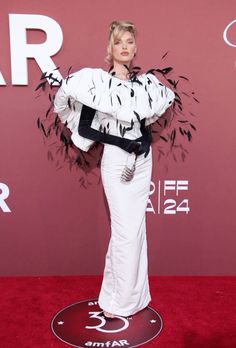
(125, 287)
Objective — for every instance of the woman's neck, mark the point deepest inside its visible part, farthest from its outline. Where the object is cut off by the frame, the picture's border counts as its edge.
(121, 70)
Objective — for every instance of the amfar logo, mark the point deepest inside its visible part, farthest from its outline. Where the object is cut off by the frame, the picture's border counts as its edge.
(94, 330)
(4, 193)
(20, 50)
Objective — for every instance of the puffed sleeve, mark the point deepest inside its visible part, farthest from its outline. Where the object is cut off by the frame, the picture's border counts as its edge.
(69, 109)
(160, 96)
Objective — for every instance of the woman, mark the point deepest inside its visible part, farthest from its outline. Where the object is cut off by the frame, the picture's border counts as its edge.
(116, 109)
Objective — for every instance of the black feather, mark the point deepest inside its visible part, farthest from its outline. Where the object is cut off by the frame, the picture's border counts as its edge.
(41, 85)
(181, 130)
(43, 129)
(150, 100)
(151, 71)
(48, 111)
(120, 129)
(118, 99)
(191, 125)
(38, 123)
(111, 68)
(138, 117)
(69, 70)
(164, 55)
(167, 70)
(163, 138)
(131, 125)
(57, 120)
(183, 77)
(172, 136)
(68, 78)
(43, 76)
(126, 66)
(189, 135)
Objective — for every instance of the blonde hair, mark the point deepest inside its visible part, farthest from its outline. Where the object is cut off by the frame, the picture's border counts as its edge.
(116, 29)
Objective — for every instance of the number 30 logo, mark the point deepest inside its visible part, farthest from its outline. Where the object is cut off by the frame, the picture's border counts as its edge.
(98, 327)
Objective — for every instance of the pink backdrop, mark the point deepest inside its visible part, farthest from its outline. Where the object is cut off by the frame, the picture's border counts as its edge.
(56, 227)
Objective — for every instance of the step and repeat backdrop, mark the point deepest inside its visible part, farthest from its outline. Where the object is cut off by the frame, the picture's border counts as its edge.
(54, 218)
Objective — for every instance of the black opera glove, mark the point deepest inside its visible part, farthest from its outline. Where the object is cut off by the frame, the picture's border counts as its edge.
(142, 144)
(137, 146)
(145, 140)
(143, 148)
(133, 146)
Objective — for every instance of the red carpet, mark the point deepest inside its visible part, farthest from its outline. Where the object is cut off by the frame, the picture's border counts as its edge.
(198, 312)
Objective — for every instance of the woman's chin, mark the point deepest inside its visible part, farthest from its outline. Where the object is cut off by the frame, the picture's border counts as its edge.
(123, 61)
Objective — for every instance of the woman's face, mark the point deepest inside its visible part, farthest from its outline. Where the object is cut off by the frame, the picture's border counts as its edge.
(124, 48)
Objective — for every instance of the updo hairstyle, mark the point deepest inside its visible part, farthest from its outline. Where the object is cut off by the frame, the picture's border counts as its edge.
(116, 29)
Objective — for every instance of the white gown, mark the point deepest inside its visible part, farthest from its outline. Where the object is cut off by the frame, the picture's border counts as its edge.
(125, 288)
(119, 103)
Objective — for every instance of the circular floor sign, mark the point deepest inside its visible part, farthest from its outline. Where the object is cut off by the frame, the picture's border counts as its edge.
(82, 324)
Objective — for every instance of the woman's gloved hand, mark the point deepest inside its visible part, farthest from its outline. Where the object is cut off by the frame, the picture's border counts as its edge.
(142, 147)
(133, 146)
